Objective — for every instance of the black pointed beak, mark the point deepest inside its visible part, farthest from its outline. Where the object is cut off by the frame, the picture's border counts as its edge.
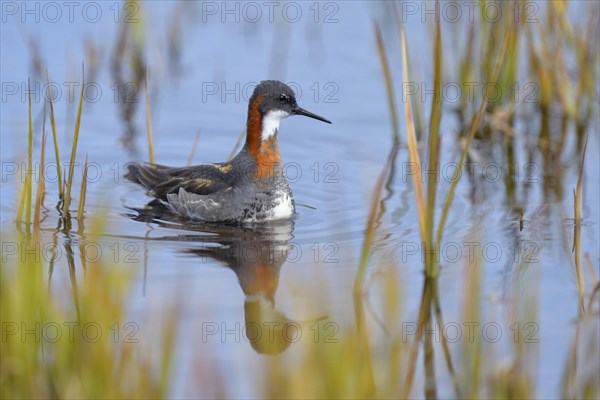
(301, 111)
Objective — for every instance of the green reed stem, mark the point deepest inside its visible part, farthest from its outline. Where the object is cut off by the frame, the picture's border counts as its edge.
(69, 184)
(237, 144)
(577, 230)
(55, 138)
(25, 198)
(431, 267)
(41, 184)
(21, 205)
(389, 85)
(194, 147)
(149, 123)
(28, 178)
(83, 191)
(413, 149)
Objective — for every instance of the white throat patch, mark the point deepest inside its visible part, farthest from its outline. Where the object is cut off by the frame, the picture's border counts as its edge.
(270, 124)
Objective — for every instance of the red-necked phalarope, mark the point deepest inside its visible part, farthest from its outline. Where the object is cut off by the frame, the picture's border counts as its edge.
(252, 187)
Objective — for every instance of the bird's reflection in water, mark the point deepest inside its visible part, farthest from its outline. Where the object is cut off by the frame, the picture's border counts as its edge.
(256, 254)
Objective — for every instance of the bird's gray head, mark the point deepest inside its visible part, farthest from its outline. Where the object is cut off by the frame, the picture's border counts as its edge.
(275, 100)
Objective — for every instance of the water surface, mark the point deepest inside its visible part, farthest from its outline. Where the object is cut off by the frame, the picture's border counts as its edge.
(301, 270)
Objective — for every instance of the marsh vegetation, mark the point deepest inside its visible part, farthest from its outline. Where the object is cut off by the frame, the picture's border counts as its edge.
(445, 246)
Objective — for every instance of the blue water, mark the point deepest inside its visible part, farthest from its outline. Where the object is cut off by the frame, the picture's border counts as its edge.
(334, 67)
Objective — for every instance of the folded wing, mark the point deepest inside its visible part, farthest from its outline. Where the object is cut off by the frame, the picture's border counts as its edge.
(201, 180)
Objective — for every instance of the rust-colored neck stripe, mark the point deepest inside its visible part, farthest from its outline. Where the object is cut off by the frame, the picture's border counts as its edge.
(265, 153)
(254, 126)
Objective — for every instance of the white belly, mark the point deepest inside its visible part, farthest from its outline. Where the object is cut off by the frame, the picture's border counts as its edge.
(283, 209)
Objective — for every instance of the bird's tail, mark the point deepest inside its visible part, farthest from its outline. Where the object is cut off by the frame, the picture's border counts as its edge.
(149, 176)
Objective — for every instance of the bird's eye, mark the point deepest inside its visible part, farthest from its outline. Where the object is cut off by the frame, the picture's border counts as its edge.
(283, 98)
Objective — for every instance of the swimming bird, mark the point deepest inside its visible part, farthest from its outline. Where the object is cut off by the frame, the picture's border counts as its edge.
(251, 187)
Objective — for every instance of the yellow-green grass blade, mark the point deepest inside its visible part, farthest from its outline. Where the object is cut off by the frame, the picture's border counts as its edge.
(55, 139)
(389, 85)
(415, 101)
(69, 184)
(434, 151)
(25, 197)
(424, 317)
(83, 191)
(28, 178)
(466, 66)
(39, 198)
(21, 204)
(577, 229)
(194, 147)
(412, 142)
(149, 123)
(237, 144)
